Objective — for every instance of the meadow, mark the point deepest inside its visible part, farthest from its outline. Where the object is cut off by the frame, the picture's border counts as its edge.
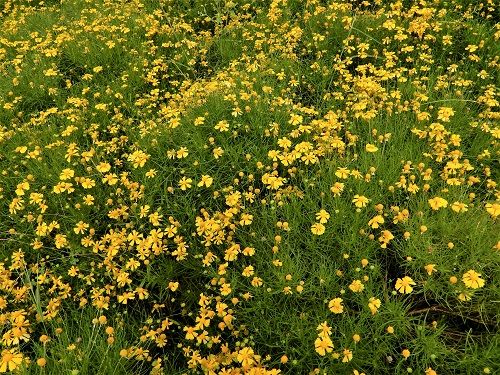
(254, 187)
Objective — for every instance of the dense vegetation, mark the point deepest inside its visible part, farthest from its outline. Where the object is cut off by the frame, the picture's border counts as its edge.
(249, 187)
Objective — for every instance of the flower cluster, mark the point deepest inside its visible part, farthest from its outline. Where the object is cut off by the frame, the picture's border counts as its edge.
(202, 187)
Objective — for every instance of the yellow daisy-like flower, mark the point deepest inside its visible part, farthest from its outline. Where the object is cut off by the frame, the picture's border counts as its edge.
(205, 180)
(10, 360)
(376, 221)
(323, 345)
(347, 355)
(473, 280)
(445, 113)
(185, 183)
(374, 304)
(404, 285)
(437, 202)
(360, 201)
(246, 356)
(371, 148)
(342, 173)
(66, 174)
(493, 209)
(138, 158)
(103, 167)
(324, 329)
(322, 216)
(337, 189)
(318, 229)
(356, 286)
(335, 306)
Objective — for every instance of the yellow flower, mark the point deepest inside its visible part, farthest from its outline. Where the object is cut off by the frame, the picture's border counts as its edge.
(60, 241)
(217, 152)
(225, 289)
(22, 187)
(360, 201)
(376, 221)
(322, 216)
(465, 296)
(323, 345)
(473, 280)
(205, 180)
(233, 199)
(248, 271)
(437, 202)
(182, 153)
(318, 229)
(245, 357)
(324, 329)
(404, 285)
(138, 158)
(356, 286)
(430, 268)
(335, 306)
(50, 72)
(80, 227)
(87, 183)
(66, 174)
(337, 189)
(445, 113)
(374, 304)
(347, 355)
(246, 219)
(41, 362)
(123, 298)
(385, 237)
(199, 121)
(295, 119)
(493, 209)
(342, 173)
(185, 183)
(459, 207)
(222, 126)
(405, 353)
(103, 167)
(10, 360)
(371, 148)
